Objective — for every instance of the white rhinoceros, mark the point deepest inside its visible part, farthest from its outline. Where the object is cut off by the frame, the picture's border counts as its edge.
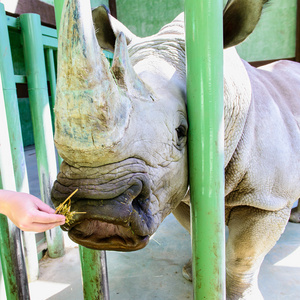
(122, 133)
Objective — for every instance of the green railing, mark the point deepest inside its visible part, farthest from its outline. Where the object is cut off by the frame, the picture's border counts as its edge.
(36, 39)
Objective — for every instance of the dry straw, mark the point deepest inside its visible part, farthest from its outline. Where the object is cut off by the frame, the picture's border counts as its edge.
(65, 209)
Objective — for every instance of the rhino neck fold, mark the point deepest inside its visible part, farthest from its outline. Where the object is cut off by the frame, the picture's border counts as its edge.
(237, 99)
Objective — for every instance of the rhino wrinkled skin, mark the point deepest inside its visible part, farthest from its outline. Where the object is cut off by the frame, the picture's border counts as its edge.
(122, 133)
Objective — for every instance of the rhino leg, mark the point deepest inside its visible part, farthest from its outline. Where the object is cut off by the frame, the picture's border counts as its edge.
(252, 234)
(182, 214)
(295, 214)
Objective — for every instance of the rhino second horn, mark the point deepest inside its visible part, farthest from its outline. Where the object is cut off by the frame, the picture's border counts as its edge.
(123, 70)
(91, 113)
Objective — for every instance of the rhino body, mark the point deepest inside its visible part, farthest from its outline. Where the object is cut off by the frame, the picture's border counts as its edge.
(123, 136)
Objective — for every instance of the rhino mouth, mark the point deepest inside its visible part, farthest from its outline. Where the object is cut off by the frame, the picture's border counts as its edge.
(100, 235)
(117, 214)
(110, 225)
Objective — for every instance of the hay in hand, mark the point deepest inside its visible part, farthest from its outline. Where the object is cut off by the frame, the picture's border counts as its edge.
(65, 209)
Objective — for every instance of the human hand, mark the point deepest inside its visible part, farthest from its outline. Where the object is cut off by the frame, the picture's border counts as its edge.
(28, 212)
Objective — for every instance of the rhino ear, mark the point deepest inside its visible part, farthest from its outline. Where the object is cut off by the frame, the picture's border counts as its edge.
(107, 28)
(239, 20)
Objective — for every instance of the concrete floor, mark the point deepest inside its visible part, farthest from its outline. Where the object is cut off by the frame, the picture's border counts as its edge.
(155, 271)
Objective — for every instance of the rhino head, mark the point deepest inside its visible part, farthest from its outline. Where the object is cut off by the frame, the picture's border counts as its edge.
(122, 131)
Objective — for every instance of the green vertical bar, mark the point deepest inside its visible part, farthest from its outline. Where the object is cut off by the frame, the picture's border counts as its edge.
(41, 118)
(52, 79)
(94, 274)
(204, 51)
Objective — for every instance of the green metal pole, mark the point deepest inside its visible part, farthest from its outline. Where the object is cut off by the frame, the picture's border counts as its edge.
(41, 118)
(16, 140)
(52, 79)
(94, 274)
(204, 52)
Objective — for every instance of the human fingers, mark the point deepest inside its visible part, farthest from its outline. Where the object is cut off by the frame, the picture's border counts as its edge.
(39, 227)
(47, 218)
(43, 206)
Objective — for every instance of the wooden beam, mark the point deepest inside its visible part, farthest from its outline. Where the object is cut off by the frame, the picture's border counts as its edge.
(260, 63)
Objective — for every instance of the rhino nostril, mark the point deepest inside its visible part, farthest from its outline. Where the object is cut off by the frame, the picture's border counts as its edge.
(140, 200)
(140, 204)
(138, 195)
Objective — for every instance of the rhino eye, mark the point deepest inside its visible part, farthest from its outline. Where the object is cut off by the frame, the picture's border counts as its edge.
(181, 136)
(181, 132)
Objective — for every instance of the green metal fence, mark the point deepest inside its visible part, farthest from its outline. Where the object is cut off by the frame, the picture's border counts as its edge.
(36, 39)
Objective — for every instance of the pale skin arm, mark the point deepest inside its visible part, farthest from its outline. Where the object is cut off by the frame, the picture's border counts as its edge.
(28, 212)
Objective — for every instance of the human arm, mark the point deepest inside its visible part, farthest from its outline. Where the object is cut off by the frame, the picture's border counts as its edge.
(28, 212)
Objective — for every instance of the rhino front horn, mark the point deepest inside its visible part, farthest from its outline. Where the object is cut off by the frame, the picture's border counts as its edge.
(91, 113)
